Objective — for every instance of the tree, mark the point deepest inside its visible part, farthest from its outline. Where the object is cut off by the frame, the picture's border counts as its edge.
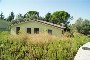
(19, 16)
(41, 18)
(83, 26)
(32, 15)
(59, 17)
(78, 24)
(48, 17)
(1, 16)
(11, 17)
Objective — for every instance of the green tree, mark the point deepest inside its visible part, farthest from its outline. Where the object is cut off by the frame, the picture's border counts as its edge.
(19, 16)
(48, 17)
(78, 24)
(32, 15)
(11, 16)
(59, 17)
(83, 26)
(41, 18)
(1, 16)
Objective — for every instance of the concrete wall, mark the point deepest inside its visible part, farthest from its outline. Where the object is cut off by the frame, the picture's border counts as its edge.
(32, 25)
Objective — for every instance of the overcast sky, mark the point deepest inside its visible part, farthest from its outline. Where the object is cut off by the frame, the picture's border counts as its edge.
(76, 8)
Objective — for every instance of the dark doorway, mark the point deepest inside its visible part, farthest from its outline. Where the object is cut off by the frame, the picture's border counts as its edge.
(17, 30)
(36, 30)
(29, 30)
(62, 31)
(50, 31)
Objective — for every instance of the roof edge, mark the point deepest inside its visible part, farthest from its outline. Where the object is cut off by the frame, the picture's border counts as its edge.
(40, 21)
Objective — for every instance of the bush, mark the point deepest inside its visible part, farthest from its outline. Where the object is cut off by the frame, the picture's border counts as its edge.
(39, 47)
(68, 34)
(82, 26)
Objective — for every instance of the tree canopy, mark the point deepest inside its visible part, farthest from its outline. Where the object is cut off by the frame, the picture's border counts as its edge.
(82, 26)
(48, 17)
(57, 17)
(11, 16)
(60, 17)
(32, 15)
(1, 16)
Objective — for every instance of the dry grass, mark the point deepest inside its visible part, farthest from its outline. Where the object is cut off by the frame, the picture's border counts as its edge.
(38, 38)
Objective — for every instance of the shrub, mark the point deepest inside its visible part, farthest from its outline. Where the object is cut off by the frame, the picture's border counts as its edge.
(39, 47)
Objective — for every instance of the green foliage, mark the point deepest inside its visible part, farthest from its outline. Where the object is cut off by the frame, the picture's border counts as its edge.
(19, 16)
(57, 17)
(32, 15)
(48, 17)
(16, 49)
(11, 16)
(1, 16)
(4, 25)
(60, 17)
(83, 26)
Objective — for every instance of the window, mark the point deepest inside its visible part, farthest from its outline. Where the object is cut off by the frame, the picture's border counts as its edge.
(17, 30)
(36, 30)
(49, 31)
(29, 30)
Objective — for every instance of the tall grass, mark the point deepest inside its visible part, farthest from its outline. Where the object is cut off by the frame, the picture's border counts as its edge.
(39, 46)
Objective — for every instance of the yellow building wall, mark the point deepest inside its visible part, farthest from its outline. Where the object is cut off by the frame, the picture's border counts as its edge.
(32, 25)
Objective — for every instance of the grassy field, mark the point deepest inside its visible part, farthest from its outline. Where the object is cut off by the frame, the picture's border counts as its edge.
(39, 47)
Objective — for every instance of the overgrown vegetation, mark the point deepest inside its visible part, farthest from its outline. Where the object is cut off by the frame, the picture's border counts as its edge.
(4, 25)
(39, 47)
(43, 46)
(82, 26)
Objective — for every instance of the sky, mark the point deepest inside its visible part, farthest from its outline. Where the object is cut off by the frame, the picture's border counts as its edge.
(76, 8)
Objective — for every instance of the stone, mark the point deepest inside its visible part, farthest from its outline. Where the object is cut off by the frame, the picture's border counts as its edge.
(83, 52)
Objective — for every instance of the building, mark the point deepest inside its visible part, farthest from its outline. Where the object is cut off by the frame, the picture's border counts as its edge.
(36, 27)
